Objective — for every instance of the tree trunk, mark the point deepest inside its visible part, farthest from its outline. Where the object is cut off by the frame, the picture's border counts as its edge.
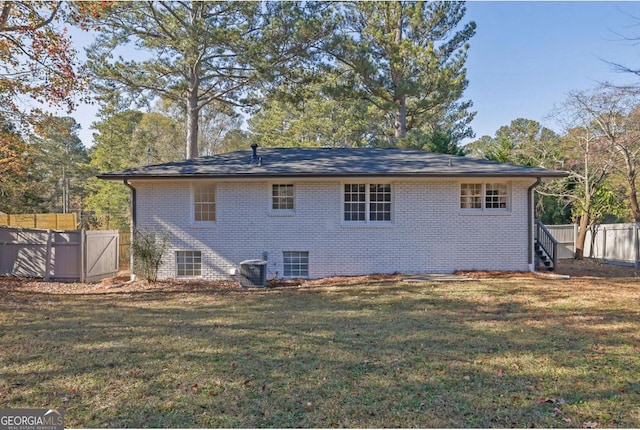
(630, 173)
(401, 117)
(633, 197)
(397, 75)
(582, 235)
(192, 125)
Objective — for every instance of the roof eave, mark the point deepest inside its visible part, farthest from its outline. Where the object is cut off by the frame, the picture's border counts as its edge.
(336, 175)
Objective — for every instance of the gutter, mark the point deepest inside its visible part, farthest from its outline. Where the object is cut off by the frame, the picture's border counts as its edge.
(132, 227)
(133, 203)
(301, 175)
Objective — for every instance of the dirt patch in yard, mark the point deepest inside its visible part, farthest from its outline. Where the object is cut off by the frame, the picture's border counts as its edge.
(117, 284)
(595, 269)
(587, 268)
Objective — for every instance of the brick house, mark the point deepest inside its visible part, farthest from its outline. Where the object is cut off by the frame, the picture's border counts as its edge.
(324, 212)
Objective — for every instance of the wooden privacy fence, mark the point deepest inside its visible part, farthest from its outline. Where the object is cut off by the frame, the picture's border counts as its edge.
(125, 246)
(618, 243)
(46, 221)
(72, 256)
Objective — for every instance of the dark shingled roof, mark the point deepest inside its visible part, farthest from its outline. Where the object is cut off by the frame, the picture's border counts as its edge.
(330, 162)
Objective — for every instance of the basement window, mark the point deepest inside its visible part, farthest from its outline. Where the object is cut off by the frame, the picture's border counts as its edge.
(296, 264)
(188, 263)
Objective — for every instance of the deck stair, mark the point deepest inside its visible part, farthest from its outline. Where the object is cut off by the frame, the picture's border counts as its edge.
(545, 247)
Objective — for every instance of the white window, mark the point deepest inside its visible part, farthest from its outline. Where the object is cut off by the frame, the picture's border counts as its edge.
(296, 264)
(495, 196)
(355, 202)
(188, 263)
(282, 197)
(367, 202)
(471, 196)
(484, 196)
(204, 202)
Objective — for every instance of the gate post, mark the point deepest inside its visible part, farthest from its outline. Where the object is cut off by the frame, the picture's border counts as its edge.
(83, 256)
(47, 259)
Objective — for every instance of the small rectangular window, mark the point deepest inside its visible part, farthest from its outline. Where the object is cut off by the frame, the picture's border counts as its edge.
(189, 263)
(355, 199)
(296, 264)
(471, 196)
(496, 196)
(484, 196)
(204, 200)
(380, 202)
(282, 197)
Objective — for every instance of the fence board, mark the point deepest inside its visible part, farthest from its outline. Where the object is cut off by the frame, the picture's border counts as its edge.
(45, 221)
(124, 245)
(66, 252)
(22, 252)
(58, 255)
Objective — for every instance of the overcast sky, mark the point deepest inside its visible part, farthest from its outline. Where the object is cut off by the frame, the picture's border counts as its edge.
(526, 57)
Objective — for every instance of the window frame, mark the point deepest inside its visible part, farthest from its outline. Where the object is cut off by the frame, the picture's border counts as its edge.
(191, 264)
(203, 223)
(368, 202)
(484, 208)
(302, 266)
(281, 211)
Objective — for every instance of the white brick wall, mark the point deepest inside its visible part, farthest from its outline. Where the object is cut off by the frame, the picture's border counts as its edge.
(429, 233)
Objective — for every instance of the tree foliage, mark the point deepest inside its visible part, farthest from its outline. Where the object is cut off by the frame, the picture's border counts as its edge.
(407, 58)
(16, 171)
(37, 59)
(108, 202)
(201, 52)
(216, 120)
(614, 115)
(317, 117)
(61, 162)
(38, 69)
(523, 141)
(13, 151)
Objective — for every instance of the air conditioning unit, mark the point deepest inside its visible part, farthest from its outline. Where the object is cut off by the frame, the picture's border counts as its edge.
(253, 273)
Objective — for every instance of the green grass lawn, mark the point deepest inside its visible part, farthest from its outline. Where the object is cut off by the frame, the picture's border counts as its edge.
(486, 353)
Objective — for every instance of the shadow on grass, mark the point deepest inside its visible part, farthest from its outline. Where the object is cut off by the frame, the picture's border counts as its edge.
(486, 354)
